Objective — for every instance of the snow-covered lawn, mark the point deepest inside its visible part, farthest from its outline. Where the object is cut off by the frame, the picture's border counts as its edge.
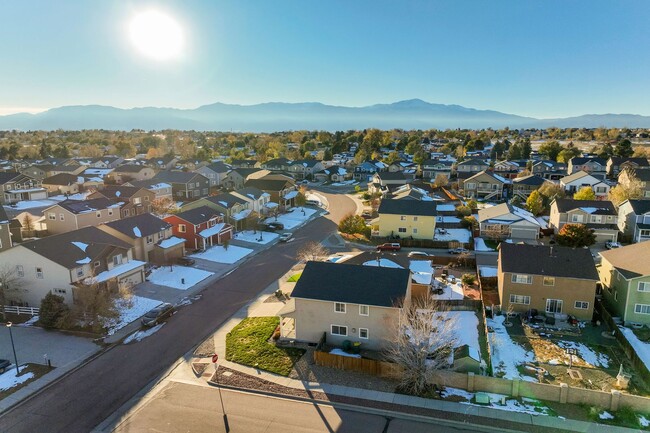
(642, 349)
(451, 290)
(28, 204)
(488, 271)
(141, 335)
(294, 218)
(219, 254)
(506, 354)
(383, 263)
(178, 277)
(479, 245)
(447, 219)
(139, 306)
(254, 237)
(526, 405)
(460, 235)
(8, 379)
(465, 328)
(592, 358)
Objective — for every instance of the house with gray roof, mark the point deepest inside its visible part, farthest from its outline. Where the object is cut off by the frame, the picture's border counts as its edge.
(524, 186)
(69, 215)
(599, 215)
(485, 185)
(216, 172)
(505, 221)
(634, 219)
(185, 185)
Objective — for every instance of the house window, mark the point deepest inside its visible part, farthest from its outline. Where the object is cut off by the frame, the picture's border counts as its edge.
(522, 279)
(576, 218)
(20, 271)
(181, 228)
(470, 185)
(601, 189)
(364, 310)
(137, 200)
(596, 219)
(60, 291)
(582, 305)
(99, 214)
(125, 212)
(642, 308)
(61, 217)
(363, 333)
(339, 330)
(80, 272)
(146, 198)
(415, 231)
(554, 305)
(644, 286)
(402, 230)
(549, 281)
(402, 218)
(39, 273)
(117, 260)
(97, 264)
(51, 216)
(149, 239)
(415, 218)
(520, 299)
(110, 212)
(339, 307)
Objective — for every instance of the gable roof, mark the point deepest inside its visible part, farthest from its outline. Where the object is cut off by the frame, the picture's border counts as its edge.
(639, 207)
(247, 171)
(562, 262)
(139, 226)
(578, 160)
(391, 175)
(354, 284)
(631, 261)
(491, 174)
(8, 176)
(64, 179)
(219, 167)
(173, 176)
(494, 212)
(532, 180)
(594, 207)
(268, 184)
(473, 161)
(225, 200)
(198, 215)
(407, 207)
(618, 160)
(643, 174)
(85, 206)
(117, 192)
(130, 168)
(251, 192)
(575, 176)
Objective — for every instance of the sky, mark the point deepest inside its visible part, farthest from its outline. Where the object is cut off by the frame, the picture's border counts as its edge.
(534, 58)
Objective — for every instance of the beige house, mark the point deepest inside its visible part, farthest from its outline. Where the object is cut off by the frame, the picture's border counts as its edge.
(599, 215)
(132, 200)
(71, 215)
(576, 181)
(524, 186)
(131, 172)
(555, 281)
(5, 232)
(507, 221)
(346, 302)
(64, 263)
(62, 183)
(640, 174)
(484, 185)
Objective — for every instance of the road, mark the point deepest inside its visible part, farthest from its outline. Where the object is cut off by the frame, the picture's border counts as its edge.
(82, 400)
(191, 408)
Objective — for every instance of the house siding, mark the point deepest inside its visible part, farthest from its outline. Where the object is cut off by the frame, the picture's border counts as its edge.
(390, 224)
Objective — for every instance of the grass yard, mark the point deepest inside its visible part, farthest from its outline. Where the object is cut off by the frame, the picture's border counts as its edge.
(248, 344)
(295, 277)
(37, 370)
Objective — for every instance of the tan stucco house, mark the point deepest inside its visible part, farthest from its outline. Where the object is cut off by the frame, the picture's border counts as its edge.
(71, 215)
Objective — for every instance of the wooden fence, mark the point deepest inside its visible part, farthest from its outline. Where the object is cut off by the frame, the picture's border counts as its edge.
(13, 309)
(361, 365)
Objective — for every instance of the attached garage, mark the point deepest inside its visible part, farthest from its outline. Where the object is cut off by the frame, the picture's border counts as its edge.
(524, 232)
(606, 235)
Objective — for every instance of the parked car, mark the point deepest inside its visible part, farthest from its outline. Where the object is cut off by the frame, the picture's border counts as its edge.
(185, 261)
(312, 202)
(284, 237)
(4, 365)
(611, 245)
(158, 314)
(276, 225)
(419, 255)
(390, 246)
(458, 251)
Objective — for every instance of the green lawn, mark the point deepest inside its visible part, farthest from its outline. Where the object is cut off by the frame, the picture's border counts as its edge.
(294, 277)
(248, 344)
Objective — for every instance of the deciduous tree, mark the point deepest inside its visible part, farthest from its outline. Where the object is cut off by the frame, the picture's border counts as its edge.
(585, 193)
(312, 251)
(535, 203)
(576, 236)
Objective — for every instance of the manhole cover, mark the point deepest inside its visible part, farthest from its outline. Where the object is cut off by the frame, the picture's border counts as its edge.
(575, 374)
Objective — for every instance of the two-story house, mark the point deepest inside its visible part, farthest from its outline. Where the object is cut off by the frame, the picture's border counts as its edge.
(201, 227)
(305, 168)
(576, 181)
(381, 182)
(557, 281)
(470, 167)
(276, 165)
(485, 185)
(597, 167)
(524, 186)
(162, 163)
(216, 172)
(132, 200)
(548, 169)
(236, 178)
(364, 171)
(68, 262)
(625, 274)
(406, 219)
(505, 221)
(346, 302)
(162, 190)
(233, 207)
(600, 216)
(131, 172)
(642, 175)
(616, 164)
(434, 167)
(634, 219)
(335, 173)
(277, 186)
(256, 198)
(71, 215)
(19, 187)
(185, 185)
(62, 183)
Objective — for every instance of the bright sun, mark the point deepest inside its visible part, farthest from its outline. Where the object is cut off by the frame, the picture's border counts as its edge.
(156, 35)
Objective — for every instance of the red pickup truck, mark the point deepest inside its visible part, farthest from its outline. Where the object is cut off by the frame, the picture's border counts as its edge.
(391, 246)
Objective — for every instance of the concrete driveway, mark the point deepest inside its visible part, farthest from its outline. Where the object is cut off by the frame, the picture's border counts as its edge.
(32, 343)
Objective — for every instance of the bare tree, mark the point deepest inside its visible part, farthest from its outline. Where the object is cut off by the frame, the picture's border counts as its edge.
(423, 343)
(98, 305)
(440, 181)
(163, 206)
(10, 284)
(28, 225)
(312, 251)
(495, 232)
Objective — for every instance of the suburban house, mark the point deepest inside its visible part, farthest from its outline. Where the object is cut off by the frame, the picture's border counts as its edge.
(346, 302)
(244, 163)
(100, 162)
(216, 172)
(334, 173)
(558, 281)
(406, 219)
(185, 185)
(640, 174)
(505, 221)
(576, 181)
(277, 186)
(67, 262)
(162, 163)
(616, 164)
(5, 231)
(256, 198)
(62, 183)
(625, 274)
(71, 215)
(470, 167)
(412, 192)
(523, 186)
(434, 167)
(146, 233)
(52, 169)
(597, 167)
(201, 227)
(130, 172)
(190, 164)
(236, 178)
(484, 185)
(276, 165)
(305, 168)
(161, 190)
(509, 169)
(599, 215)
(382, 181)
(19, 187)
(364, 171)
(132, 200)
(233, 207)
(634, 219)
(548, 169)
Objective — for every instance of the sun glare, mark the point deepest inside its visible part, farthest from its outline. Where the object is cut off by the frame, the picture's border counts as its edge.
(156, 35)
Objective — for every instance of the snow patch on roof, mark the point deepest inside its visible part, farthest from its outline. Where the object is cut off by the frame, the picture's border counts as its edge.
(82, 246)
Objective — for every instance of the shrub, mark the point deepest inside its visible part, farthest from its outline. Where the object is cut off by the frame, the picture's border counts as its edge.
(53, 310)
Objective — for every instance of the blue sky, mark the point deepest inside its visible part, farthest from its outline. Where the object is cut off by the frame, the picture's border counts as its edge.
(536, 58)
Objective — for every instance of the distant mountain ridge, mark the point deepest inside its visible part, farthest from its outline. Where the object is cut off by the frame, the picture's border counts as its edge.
(283, 116)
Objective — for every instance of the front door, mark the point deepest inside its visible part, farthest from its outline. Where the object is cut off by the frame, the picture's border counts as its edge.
(553, 305)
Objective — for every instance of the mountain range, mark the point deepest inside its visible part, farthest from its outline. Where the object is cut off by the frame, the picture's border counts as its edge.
(280, 116)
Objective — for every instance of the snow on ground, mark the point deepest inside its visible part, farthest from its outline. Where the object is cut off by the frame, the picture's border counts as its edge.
(465, 327)
(139, 306)
(451, 290)
(526, 405)
(383, 263)
(460, 235)
(28, 204)
(479, 245)
(8, 379)
(447, 219)
(339, 259)
(141, 335)
(645, 422)
(294, 218)
(219, 254)
(78, 196)
(254, 237)
(589, 356)
(175, 275)
(506, 354)
(642, 349)
(342, 353)
(488, 271)
(30, 322)
(605, 415)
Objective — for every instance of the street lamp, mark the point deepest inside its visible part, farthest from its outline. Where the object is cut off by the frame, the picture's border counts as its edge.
(11, 336)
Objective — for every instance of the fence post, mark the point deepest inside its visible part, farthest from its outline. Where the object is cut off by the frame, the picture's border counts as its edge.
(470, 381)
(515, 387)
(616, 398)
(564, 392)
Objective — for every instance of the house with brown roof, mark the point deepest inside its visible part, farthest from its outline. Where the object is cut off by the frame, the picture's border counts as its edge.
(484, 185)
(132, 200)
(70, 215)
(19, 187)
(62, 183)
(616, 164)
(555, 281)
(128, 172)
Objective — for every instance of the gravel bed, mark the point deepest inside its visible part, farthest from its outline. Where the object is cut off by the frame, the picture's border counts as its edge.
(206, 348)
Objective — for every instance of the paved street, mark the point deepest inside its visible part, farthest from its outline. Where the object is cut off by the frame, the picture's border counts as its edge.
(82, 400)
(190, 408)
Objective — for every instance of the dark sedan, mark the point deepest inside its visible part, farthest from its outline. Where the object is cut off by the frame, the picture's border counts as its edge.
(158, 314)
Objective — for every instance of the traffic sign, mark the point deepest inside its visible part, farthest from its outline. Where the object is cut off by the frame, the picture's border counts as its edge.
(571, 351)
(215, 358)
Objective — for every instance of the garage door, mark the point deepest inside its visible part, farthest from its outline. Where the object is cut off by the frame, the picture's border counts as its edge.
(524, 233)
(132, 279)
(604, 237)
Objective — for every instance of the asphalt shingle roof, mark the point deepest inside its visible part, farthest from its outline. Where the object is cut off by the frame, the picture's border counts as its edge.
(632, 261)
(553, 261)
(407, 207)
(145, 223)
(603, 207)
(198, 215)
